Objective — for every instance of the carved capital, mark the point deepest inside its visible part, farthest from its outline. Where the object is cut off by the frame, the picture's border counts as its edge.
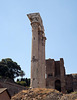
(36, 18)
(34, 25)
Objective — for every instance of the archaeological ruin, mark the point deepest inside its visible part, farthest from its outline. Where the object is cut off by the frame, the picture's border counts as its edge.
(38, 51)
(47, 73)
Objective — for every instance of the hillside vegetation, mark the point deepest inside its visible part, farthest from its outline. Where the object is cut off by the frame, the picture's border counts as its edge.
(43, 94)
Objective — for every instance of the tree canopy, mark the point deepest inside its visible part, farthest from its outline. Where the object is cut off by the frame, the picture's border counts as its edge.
(10, 69)
(24, 82)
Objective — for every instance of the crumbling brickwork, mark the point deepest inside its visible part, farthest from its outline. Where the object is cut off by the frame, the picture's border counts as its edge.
(57, 78)
(74, 82)
(69, 83)
(55, 73)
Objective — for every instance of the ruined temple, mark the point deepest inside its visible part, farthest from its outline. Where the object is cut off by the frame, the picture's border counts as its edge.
(47, 73)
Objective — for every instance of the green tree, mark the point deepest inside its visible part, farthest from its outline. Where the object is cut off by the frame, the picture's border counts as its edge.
(10, 69)
(24, 82)
(22, 73)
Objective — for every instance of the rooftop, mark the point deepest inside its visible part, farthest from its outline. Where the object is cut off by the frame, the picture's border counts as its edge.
(2, 90)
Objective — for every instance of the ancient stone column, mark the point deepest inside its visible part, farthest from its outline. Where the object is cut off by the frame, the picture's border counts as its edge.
(38, 52)
(41, 62)
(34, 56)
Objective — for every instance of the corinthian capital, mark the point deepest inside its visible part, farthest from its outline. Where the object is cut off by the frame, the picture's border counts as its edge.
(36, 18)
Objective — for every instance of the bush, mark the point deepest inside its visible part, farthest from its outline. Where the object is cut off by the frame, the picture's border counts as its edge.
(23, 82)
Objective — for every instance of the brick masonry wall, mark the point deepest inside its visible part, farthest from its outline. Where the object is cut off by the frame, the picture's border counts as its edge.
(74, 82)
(69, 83)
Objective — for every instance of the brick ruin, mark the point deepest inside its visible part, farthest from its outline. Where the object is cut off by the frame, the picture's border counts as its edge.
(47, 73)
(56, 77)
(55, 74)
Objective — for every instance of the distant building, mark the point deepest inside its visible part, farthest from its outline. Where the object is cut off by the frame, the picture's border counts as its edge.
(4, 94)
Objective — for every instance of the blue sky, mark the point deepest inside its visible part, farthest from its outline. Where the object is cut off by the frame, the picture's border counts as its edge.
(60, 24)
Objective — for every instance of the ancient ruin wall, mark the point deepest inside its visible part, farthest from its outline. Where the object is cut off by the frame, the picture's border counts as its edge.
(12, 87)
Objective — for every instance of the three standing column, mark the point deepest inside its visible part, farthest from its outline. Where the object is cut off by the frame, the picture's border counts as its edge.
(38, 52)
